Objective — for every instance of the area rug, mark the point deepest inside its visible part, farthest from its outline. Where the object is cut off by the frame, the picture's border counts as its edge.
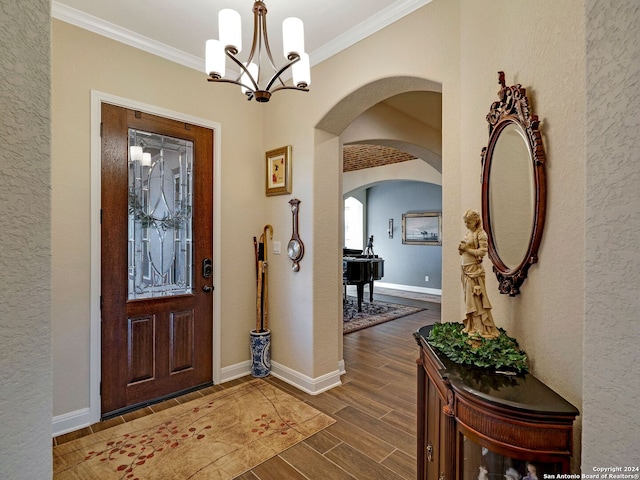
(219, 436)
(372, 313)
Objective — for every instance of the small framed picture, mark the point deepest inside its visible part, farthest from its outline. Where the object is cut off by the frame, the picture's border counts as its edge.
(279, 171)
(422, 228)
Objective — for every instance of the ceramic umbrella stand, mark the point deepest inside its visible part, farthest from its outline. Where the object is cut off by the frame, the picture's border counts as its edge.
(261, 336)
(260, 353)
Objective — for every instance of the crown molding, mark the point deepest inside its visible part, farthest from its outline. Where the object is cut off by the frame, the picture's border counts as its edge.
(122, 35)
(364, 29)
(361, 31)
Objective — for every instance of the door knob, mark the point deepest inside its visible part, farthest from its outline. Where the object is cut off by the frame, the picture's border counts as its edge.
(207, 289)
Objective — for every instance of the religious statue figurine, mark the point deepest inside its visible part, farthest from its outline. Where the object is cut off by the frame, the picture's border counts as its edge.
(478, 320)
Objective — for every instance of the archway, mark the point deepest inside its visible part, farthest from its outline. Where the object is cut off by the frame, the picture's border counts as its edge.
(330, 133)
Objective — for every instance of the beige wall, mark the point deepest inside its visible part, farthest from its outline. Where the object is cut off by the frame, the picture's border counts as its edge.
(458, 45)
(411, 170)
(334, 102)
(82, 62)
(548, 316)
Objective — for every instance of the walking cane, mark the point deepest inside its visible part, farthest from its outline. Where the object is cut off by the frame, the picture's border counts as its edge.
(259, 278)
(265, 297)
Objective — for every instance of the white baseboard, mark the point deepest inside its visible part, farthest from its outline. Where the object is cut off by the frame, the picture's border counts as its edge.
(408, 288)
(312, 386)
(235, 371)
(341, 367)
(70, 422)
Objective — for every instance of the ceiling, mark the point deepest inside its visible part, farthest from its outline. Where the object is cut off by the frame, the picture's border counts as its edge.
(177, 30)
(184, 26)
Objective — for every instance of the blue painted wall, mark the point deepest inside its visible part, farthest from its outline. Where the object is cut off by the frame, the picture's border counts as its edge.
(404, 264)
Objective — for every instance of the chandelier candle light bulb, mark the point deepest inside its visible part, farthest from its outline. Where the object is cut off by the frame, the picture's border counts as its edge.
(230, 29)
(301, 71)
(292, 37)
(215, 59)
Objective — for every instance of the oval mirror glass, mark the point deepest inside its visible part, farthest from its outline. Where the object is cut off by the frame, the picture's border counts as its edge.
(511, 195)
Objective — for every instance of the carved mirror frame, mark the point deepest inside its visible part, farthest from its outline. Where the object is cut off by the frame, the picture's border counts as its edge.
(513, 108)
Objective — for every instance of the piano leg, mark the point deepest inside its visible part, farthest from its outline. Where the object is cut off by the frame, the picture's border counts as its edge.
(360, 289)
(371, 291)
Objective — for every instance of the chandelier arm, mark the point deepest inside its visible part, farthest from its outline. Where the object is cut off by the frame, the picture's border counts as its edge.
(235, 82)
(276, 76)
(245, 70)
(265, 36)
(290, 87)
(256, 34)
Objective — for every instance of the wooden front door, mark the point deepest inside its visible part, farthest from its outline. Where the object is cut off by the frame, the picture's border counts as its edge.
(156, 237)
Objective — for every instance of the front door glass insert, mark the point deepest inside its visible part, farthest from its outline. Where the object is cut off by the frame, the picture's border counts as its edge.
(160, 252)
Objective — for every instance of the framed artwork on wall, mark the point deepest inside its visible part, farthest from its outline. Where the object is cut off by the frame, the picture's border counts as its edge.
(424, 228)
(279, 171)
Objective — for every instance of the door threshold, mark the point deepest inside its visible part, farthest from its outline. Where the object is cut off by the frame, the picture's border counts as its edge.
(155, 401)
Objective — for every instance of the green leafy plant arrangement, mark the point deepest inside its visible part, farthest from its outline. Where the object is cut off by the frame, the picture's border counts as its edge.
(502, 353)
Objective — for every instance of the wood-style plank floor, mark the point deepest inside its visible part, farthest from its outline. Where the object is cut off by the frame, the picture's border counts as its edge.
(375, 408)
(374, 436)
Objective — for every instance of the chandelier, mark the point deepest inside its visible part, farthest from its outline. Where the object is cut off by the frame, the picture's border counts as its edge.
(252, 80)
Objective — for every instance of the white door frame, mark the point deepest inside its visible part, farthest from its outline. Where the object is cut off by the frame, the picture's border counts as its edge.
(97, 98)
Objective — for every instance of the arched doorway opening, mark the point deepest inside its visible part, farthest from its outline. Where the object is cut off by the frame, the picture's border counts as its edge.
(386, 113)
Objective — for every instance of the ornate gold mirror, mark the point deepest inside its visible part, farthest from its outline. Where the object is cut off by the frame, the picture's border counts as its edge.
(513, 187)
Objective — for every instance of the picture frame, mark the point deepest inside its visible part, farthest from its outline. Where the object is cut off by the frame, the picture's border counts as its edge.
(278, 173)
(423, 228)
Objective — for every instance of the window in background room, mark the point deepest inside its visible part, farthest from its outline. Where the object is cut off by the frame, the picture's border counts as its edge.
(353, 223)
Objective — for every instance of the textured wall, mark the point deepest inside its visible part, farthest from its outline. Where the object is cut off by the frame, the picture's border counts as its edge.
(612, 304)
(25, 339)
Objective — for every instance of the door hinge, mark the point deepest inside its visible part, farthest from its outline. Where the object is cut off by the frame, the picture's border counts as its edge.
(100, 302)
(100, 216)
(101, 125)
(100, 388)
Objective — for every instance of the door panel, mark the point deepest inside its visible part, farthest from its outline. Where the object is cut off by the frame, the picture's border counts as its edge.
(157, 309)
(182, 341)
(140, 349)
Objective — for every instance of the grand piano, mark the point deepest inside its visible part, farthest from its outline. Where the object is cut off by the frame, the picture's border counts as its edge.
(359, 269)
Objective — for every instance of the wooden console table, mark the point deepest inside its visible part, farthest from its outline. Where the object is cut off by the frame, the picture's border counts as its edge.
(478, 425)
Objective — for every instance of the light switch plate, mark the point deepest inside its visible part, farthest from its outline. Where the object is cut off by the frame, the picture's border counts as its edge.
(277, 248)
